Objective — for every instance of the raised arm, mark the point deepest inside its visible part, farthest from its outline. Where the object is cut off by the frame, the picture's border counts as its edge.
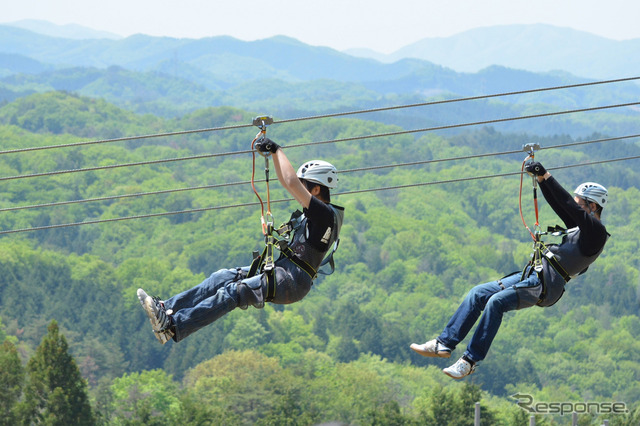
(593, 234)
(557, 197)
(286, 173)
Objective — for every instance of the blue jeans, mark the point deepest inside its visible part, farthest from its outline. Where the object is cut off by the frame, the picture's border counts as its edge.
(204, 303)
(494, 300)
(218, 295)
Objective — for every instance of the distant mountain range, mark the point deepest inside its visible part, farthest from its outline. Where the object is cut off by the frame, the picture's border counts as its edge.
(538, 48)
(172, 77)
(72, 31)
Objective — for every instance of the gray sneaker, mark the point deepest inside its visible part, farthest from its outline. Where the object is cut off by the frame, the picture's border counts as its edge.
(432, 348)
(460, 369)
(158, 317)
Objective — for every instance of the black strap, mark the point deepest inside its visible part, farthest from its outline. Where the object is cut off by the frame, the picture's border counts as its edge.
(528, 270)
(543, 293)
(256, 263)
(556, 230)
(556, 265)
(289, 254)
(271, 285)
(264, 262)
(261, 263)
(541, 251)
(329, 259)
(267, 258)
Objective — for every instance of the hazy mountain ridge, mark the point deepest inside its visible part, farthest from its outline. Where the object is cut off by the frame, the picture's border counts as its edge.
(538, 48)
(72, 31)
(171, 77)
(264, 58)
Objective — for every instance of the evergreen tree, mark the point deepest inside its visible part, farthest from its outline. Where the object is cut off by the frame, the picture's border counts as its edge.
(11, 382)
(455, 407)
(55, 393)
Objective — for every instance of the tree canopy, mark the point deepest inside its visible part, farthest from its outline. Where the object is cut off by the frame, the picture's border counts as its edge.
(407, 256)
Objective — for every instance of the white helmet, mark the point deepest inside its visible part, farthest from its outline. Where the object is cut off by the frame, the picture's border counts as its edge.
(593, 192)
(320, 172)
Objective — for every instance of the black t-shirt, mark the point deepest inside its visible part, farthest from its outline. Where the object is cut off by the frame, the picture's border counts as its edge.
(593, 234)
(320, 223)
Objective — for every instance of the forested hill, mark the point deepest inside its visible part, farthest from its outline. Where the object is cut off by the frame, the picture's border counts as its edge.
(407, 256)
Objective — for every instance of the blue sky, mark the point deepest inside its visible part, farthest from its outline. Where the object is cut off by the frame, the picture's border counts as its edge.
(381, 25)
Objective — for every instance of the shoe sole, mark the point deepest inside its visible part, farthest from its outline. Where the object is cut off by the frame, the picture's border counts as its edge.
(454, 377)
(146, 302)
(444, 370)
(162, 336)
(419, 349)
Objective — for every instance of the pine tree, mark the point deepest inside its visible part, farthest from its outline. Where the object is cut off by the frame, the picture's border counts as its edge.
(55, 393)
(11, 382)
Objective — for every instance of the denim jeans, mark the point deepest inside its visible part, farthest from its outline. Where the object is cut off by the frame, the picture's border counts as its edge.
(494, 301)
(203, 304)
(218, 295)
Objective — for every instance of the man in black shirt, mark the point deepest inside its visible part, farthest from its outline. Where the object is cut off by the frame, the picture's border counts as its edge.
(314, 232)
(541, 283)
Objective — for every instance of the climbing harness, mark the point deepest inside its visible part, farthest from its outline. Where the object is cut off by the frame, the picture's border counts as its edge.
(540, 249)
(277, 237)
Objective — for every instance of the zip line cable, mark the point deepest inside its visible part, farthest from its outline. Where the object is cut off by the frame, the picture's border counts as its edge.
(125, 138)
(378, 167)
(490, 154)
(306, 144)
(314, 117)
(402, 132)
(476, 123)
(446, 101)
(412, 185)
(117, 197)
(358, 191)
(115, 166)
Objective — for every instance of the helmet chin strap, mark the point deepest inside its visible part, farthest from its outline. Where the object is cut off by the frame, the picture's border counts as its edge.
(590, 210)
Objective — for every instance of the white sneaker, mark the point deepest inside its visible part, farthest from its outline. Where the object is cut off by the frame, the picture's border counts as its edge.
(432, 348)
(158, 317)
(460, 369)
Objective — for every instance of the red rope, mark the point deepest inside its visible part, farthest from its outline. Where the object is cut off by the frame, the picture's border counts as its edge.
(535, 200)
(253, 186)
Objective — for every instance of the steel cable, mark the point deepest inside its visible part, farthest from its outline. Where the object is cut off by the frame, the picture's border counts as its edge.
(359, 191)
(388, 134)
(360, 169)
(314, 117)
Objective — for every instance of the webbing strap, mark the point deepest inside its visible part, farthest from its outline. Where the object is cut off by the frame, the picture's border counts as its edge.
(556, 265)
(258, 265)
(329, 259)
(261, 263)
(540, 250)
(268, 250)
(271, 285)
(289, 254)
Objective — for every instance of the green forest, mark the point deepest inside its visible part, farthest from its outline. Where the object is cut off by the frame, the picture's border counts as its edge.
(69, 312)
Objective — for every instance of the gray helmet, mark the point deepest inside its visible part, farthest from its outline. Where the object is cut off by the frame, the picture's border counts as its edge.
(320, 172)
(593, 192)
